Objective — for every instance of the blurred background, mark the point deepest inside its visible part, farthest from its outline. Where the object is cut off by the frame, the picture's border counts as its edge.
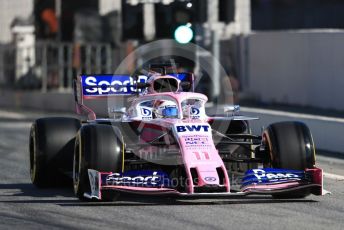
(274, 52)
(284, 60)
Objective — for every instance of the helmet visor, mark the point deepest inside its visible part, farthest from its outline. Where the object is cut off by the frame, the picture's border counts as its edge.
(170, 112)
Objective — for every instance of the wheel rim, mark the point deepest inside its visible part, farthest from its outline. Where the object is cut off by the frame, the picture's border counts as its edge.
(33, 154)
(310, 148)
(268, 148)
(76, 166)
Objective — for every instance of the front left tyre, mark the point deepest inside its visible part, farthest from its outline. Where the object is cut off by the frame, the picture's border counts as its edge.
(290, 146)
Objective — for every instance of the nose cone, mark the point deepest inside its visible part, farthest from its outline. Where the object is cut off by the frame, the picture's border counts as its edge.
(207, 176)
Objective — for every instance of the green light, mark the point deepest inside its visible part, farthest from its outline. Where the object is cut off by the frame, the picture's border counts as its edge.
(183, 34)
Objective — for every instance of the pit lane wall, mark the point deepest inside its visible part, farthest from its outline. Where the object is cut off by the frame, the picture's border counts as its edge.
(295, 67)
(327, 131)
(49, 102)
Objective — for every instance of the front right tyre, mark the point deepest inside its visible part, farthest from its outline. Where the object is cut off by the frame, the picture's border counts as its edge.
(51, 150)
(99, 147)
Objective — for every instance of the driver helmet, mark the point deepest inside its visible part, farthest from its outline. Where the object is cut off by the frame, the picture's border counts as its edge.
(166, 109)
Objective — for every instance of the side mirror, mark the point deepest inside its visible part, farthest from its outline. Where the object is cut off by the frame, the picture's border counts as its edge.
(122, 110)
(118, 112)
(233, 109)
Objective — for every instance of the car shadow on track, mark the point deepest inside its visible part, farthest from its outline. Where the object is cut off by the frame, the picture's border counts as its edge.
(161, 201)
(28, 193)
(137, 200)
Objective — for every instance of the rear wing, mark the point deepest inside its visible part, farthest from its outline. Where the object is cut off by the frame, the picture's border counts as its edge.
(107, 85)
(88, 87)
(95, 86)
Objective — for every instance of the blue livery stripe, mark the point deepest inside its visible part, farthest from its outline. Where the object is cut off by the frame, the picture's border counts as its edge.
(271, 176)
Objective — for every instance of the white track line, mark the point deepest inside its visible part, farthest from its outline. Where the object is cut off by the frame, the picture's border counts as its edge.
(9, 114)
(333, 176)
(291, 114)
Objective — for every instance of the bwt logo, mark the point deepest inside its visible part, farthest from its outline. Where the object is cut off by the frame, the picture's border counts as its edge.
(192, 128)
(146, 112)
(194, 111)
(111, 84)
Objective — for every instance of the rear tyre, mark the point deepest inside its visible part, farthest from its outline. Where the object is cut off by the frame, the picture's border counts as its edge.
(51, 150)
(98, 147)
(290, 146)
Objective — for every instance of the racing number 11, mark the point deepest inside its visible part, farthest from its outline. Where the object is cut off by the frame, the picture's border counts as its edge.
(198, 156)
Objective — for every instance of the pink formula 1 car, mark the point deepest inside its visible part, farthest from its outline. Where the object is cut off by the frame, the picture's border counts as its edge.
(165, 144)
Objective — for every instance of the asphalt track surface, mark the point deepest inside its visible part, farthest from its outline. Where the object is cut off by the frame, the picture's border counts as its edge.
(22, 206)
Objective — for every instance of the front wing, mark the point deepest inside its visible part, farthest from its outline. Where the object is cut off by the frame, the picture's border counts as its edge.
(313, 184)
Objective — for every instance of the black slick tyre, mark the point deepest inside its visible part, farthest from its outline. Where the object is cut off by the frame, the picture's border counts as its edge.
(290, 146)
(51, 150)
(98, 147)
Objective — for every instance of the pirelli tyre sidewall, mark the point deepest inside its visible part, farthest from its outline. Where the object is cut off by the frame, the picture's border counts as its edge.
(51, 147)
(290, 146)
(99, 147)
